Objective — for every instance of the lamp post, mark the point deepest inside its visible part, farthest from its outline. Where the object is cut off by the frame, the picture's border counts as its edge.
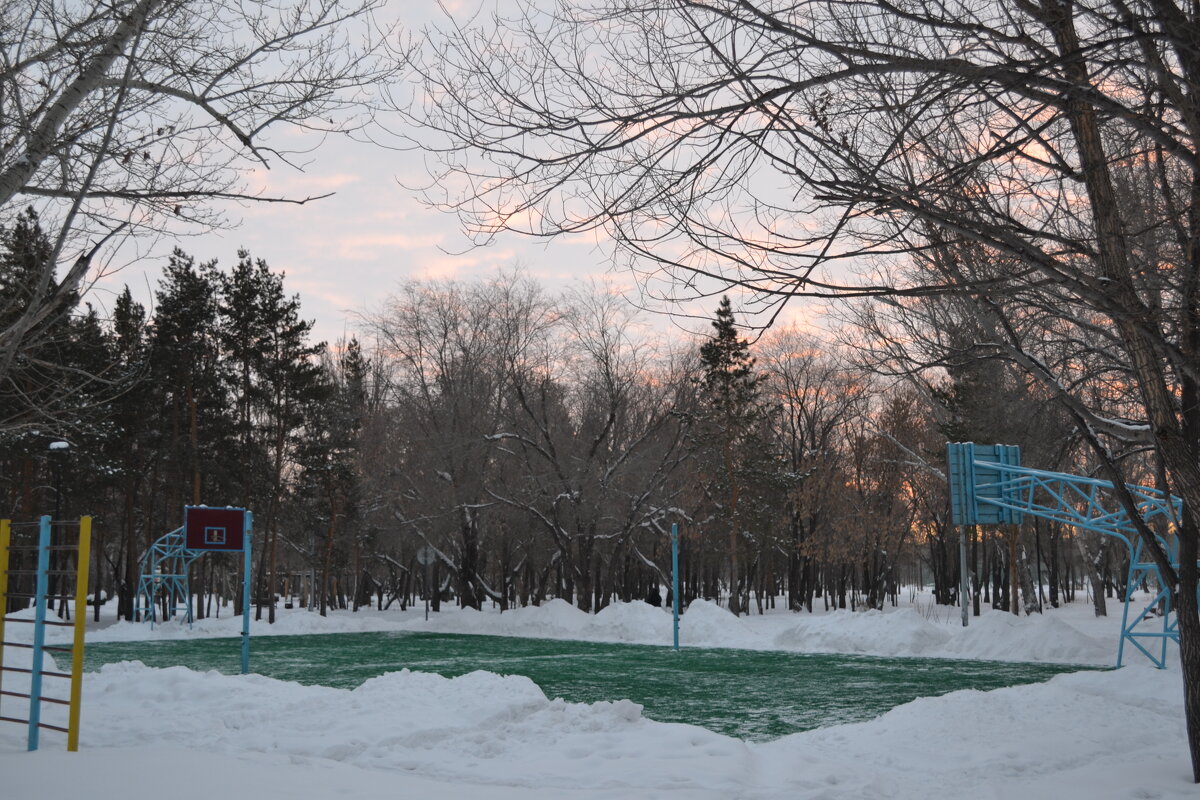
(58, 452)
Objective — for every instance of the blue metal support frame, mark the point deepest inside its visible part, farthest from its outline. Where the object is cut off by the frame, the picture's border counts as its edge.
(39, 633)
(164, 573)
(246, 595)
(989, 486)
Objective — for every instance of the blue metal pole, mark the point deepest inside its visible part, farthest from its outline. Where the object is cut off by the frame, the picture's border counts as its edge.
(675, 581)
(1130, 584)
(39, 632)
(246, 594)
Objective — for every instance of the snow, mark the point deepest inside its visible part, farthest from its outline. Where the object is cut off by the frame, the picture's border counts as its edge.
(1095, 735)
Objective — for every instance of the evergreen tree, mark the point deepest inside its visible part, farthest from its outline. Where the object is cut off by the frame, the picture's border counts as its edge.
(190, 381)
(32, 378)
(245, 323)
(729, 389)
(328, 454)
(37, 388)
(266, 337)
(129, 446)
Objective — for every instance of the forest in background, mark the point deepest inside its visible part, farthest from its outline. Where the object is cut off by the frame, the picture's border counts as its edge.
(540, 444)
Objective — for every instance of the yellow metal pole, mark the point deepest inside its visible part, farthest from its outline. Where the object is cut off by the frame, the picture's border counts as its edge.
(5, 540)
(81, 589)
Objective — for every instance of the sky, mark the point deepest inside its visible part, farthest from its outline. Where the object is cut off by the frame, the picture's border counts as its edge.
(344, 254)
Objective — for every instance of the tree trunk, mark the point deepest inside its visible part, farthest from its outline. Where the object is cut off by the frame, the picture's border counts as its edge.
(468, 564)
(326, 559)
(1089, 549)
(1188, 614)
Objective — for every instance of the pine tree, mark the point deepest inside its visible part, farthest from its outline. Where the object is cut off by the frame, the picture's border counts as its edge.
(328, 454)
(129, 446)
(245, 320)
(730, 391)
(266, 337)
(188, 371)
(35, 385)
(33, 382)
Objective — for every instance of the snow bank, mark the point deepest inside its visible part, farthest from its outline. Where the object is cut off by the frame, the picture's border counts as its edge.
(1070, 635)
(1084, 735)
(902, 633)
(1096, 735)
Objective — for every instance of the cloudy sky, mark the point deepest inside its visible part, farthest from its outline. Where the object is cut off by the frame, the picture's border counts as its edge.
(344, 254)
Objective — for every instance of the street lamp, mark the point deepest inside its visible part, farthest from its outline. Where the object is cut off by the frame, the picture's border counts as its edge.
(59, 449)
(58, 452)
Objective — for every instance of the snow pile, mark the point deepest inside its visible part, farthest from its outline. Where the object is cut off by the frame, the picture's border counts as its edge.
(1070, 635)
(1041, 637)
(902, 633)
(480, 727)
(554, 619)
(1090, 735)
(1084, 735)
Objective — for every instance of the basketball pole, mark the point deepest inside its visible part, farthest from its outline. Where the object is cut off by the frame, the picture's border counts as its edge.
(964, 578)
(246, 593)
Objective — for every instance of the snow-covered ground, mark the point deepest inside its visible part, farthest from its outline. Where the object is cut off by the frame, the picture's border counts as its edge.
(187, 734)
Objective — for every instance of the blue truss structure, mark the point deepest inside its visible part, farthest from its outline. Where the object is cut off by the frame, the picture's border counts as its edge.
(988, 485)
(165, 575)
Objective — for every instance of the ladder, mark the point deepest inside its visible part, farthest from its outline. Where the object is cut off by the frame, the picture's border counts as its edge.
(44, 545)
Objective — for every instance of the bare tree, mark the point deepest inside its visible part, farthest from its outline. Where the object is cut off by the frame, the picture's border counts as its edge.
(820, 401)
(133, 116)
(449, 346)
(763, 142)
(596, 441)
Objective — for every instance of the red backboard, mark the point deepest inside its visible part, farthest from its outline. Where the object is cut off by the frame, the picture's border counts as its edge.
(207, 528)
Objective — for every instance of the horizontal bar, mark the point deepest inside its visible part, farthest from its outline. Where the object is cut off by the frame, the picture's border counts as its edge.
(14, 719)
(53, 727)
(30, 672)
(49, 598)
(48, 547)
(30, 647)
(55, 700)
(13, 694)
(35, 572)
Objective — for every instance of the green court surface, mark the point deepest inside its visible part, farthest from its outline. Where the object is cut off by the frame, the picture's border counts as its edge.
(751, 694)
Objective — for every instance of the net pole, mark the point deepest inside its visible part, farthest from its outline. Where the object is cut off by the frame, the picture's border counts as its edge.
(675, 582)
